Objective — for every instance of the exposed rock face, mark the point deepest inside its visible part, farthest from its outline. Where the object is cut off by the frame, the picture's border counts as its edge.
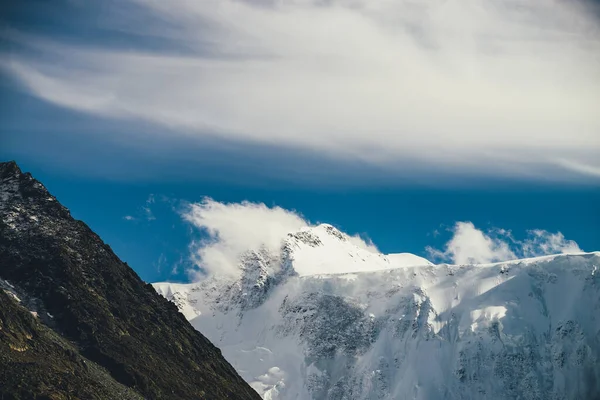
(75, 284)
(36, 361)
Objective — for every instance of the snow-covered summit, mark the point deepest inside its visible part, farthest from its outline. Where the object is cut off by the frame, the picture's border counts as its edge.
(323, 249)
(326, 317)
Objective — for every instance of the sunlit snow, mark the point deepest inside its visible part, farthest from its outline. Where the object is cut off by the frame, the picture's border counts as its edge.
(399, 327)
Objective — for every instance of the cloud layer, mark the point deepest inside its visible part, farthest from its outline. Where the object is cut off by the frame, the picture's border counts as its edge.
(508, 88)
(470, 245)
(231, 229)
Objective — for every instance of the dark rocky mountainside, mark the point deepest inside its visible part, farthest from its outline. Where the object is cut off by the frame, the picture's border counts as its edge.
(36, 361)
(85, 325)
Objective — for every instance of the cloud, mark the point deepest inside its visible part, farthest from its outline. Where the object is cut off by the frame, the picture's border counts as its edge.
(507, 88)
(585, 169)
(363, 243)
(161, 262)
(149, 215)
(470, 245)
(178, 266)
(541, 242)
(145, 211)
(232, 229)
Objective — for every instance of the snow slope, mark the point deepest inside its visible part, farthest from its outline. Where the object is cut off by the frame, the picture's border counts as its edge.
(325, 248)
(398, 327)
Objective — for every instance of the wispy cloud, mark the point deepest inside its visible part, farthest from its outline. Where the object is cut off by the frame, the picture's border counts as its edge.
(542, 242)
(507, 88)
(161, 262)
(234, 228)
(145, 212)
(470, 245)
(581, 168)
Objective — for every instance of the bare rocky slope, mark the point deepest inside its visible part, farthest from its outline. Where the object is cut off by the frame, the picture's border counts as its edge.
(77, 322)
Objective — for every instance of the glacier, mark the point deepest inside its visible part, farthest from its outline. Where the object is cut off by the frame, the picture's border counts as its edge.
(324, 318)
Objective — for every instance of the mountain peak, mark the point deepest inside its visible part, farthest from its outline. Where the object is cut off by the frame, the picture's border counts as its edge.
(320, 250)
(328, 229)
(9, 169)
(324, 249)
(25, 202)
(72, 282)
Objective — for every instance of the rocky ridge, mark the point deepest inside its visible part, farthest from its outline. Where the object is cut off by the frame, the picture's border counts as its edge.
(82, 297)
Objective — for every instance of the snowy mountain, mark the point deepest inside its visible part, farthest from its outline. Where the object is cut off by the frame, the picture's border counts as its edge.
(399, 327)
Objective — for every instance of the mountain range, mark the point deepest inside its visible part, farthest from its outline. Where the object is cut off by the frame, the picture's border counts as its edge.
(322, 318)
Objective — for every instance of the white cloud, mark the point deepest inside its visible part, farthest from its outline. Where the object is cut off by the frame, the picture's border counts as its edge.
(542, 242)
(585, 169)
(161, 262)
(502, 87)
(147, 210)
(235, 228)
(366, 244)
(470, 245)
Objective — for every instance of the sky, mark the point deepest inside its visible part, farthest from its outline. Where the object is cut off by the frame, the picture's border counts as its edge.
(183, 132)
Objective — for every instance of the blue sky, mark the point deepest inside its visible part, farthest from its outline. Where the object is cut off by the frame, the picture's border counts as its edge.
(392, 123)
